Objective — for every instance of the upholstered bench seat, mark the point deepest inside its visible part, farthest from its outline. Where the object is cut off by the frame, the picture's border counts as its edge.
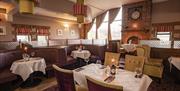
(154, 62)
(6, 76)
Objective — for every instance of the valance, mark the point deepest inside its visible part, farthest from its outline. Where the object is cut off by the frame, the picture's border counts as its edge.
(31, 29)
(163, 27)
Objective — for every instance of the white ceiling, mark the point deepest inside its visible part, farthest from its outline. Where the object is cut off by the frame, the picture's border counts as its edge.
(99, 6)
(63, 9)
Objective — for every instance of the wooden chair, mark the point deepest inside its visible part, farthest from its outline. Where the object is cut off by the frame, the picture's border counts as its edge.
(95, 85)
(153, 66)
(108, 58)
(132, 62)
(65, 80)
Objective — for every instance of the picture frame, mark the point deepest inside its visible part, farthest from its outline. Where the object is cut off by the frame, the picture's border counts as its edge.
(59, 32)
(72, 32)
(33, 37)
(2, 30)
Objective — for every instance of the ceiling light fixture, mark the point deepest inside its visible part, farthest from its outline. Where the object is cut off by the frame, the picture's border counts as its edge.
(80, 11)
(3, 10)
(27, 6)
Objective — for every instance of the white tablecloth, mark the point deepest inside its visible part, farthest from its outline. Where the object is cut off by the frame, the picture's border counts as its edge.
(123, 78)
(25, 68)
(84, 54)
(129, 47)
(174, 61)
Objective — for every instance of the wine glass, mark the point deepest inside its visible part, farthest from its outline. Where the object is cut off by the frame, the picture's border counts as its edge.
(25, 57)
(32, 54)
(99, 63)
(138, 72)
(86, 60)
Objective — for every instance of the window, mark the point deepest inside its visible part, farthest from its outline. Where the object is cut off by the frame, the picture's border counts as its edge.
(103, 29)
(92, 32)
(23, 38)
(116, 26)
(163, 36)
(42, 40)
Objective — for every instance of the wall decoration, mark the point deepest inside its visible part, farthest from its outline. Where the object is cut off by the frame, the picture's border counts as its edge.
(33, 37)
(2, 30)
(72, 32)
(59, 32)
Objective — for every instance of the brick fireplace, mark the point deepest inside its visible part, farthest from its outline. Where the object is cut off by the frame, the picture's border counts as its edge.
(135, 36)
(138, 28)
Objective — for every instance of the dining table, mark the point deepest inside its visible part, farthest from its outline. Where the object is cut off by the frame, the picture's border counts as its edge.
(174, 61)
(123, 78)
(25, 67)
(84, 54)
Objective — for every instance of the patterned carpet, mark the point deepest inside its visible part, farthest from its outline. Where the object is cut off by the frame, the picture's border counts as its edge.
(167, 84)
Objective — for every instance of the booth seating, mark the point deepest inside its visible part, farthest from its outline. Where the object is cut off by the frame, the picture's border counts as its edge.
(7, 57)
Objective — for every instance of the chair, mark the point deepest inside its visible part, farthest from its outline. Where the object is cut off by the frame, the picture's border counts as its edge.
(153, 66)
(94, 85)
(132, 62)
(65, 80)
(140, 51)
(109, 56)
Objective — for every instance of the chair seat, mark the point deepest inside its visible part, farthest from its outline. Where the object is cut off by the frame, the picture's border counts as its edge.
(154, 62)
(79, 88)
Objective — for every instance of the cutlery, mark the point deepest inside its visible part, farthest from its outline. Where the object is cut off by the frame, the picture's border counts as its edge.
(79, 69)
(109, 79)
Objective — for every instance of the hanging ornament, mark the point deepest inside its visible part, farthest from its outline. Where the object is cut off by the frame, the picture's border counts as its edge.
(80, 11)
(27, 6)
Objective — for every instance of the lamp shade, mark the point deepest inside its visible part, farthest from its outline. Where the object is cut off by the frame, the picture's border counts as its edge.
(3, 10)
(26, 6)
(80, 11)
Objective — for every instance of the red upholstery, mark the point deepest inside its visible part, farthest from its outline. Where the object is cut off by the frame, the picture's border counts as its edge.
(6, 59)
(65, 81)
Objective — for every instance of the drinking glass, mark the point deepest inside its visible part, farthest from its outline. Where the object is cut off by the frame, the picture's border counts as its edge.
(25, 57)
(99, 63)
(32, 54)
(86, 60)
(138, 72)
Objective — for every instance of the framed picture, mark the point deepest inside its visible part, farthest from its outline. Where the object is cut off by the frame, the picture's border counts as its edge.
(72, 32)
(2, 30)
(60, 32)
(33, 37)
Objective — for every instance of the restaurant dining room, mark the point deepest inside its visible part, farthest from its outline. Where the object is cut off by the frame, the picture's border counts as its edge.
(89, 45)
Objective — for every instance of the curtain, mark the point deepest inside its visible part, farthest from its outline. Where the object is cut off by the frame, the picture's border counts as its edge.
(30, 29)
(42, 31)
(112, 15)
(88, 27)
(163, 27)
(23, 30)
(99, 20)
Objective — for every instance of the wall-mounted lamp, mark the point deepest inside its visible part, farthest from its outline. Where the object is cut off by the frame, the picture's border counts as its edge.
(3, 10)
(135, 25)
(66, 25)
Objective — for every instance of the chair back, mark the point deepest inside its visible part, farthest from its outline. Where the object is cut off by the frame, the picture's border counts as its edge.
(132, 62)
(95, 85)
(147, 50)
(65, 79)
(140, 51)
(109, 56)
